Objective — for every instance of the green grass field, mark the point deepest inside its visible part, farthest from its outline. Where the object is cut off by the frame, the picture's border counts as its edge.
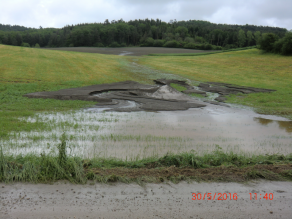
(26, 70)
(247, 68)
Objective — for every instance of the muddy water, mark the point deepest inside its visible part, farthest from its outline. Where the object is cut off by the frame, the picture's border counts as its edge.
(202, 130)
(61, 200)
(284, 125)
(93, 133)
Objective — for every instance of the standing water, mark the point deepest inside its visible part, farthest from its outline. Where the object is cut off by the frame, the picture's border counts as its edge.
(97, 133)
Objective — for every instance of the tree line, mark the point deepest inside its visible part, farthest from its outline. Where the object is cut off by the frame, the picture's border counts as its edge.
(270, 42)
(193, 34)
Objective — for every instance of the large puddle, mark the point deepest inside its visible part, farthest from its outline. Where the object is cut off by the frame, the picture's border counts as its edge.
(93, 133)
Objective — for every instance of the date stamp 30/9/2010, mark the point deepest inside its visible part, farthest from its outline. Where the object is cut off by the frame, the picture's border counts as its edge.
(230, 196)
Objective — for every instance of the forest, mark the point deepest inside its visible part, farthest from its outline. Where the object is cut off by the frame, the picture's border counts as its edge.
(193, 34)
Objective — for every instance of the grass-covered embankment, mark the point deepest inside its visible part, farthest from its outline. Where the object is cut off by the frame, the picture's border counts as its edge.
(215, 166)
(247, 68)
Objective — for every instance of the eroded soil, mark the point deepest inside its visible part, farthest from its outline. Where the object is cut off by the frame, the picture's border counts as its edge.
(224, 89)
(129, 51)
(159, 97)
(176, 127)
(149, 97)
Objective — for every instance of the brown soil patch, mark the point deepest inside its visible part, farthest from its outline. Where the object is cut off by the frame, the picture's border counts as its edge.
(161, 97)
(222, 173)
(148, 97)
(224, 89)
(129, 51)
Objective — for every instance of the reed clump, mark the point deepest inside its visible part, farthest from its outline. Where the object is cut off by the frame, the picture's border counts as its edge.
(43, 168)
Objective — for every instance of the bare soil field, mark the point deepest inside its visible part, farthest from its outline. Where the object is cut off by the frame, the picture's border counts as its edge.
(129, 51)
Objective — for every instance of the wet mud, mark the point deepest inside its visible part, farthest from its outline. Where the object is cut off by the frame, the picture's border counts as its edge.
(64, 200)
(160, 97)
(129, 51)
(224, 89)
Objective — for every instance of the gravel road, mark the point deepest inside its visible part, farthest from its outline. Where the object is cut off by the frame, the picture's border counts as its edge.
(64, 200)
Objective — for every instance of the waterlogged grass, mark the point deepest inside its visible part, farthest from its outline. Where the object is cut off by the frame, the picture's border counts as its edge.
(13, 106)
(51, 167)
(247, 68)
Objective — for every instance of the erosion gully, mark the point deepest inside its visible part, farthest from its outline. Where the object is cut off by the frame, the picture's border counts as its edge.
(96, 132)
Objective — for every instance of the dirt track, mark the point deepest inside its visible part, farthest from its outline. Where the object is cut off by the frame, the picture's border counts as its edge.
(129, 51)
(30, 201)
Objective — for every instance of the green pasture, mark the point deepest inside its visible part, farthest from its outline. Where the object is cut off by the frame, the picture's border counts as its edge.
(247, 68)
(27, 70)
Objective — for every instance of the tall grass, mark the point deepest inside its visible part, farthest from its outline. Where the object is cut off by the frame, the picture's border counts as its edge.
(43, 168)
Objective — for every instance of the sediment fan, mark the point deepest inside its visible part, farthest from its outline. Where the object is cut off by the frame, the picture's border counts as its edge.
(159, 97)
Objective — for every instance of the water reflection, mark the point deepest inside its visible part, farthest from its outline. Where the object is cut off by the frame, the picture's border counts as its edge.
(143, 134)
(284, 125)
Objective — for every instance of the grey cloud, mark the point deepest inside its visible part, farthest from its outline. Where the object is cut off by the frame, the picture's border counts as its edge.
(58, 13)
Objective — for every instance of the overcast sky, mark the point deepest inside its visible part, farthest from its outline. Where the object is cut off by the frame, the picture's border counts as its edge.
(58, 13)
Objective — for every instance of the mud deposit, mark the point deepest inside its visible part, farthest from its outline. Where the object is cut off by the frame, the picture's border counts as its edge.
(27, 201)
(159, 97)
(224, 89)
(129, 51)
(179, 123)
